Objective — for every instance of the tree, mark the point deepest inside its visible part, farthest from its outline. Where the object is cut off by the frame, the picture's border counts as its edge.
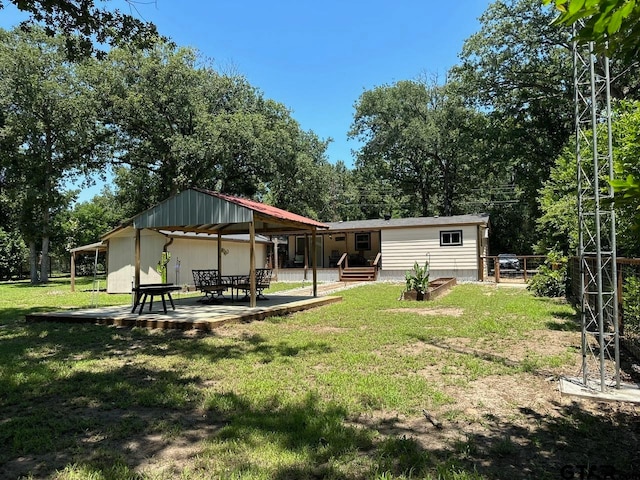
(613, 25)
(90, 220)
(422, 138)
(300, 180)
(518, 69)
(179, 124)
(82, 22)
(51, 133)
(558, 224)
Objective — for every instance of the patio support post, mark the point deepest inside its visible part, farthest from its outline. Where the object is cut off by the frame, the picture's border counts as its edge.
(276, 261)
(219, 255)
(73, 271)
(252, 260)
(314, 261)
(306, 254)
(136, 278)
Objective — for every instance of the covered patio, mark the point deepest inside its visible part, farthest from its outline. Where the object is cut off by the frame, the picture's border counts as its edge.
(206, 213)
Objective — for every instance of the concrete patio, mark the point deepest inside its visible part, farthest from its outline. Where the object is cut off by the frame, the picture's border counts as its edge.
(191, 314)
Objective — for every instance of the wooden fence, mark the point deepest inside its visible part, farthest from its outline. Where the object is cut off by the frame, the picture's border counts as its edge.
(490, 269)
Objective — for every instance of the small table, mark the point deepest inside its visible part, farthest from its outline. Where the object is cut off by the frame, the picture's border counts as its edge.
(153, 290)
(233, 281)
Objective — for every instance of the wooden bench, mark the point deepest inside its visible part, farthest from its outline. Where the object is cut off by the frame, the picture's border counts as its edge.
(153, 290)
(263, 280)
(208, 281)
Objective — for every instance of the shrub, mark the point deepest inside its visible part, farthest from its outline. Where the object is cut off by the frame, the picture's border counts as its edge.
(551, 279)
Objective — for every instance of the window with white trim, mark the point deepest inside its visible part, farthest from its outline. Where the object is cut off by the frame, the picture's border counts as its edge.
(450, 238)
(363, 241)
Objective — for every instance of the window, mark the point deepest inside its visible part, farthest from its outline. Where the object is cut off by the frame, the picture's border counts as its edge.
(363, 241)
(450, 238)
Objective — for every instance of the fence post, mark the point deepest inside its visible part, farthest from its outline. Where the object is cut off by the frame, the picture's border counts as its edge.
(620, 302)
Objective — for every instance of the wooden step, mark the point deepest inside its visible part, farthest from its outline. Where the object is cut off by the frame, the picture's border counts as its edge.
(358, 274)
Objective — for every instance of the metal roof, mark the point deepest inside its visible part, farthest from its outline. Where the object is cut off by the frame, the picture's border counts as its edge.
(381, 224)
(92, 247)
(242, 238)
(204, 211)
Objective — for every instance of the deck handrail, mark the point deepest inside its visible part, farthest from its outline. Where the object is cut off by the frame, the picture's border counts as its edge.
(343, 259)
(376, 265)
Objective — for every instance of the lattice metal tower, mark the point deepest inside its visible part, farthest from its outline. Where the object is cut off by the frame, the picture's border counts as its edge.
(597, 226)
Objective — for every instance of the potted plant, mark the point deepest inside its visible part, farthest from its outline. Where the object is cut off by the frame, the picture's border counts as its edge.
(417, 282)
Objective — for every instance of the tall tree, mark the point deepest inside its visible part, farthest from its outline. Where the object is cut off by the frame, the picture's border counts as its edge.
(181, 124)
(558, 224)
(422, 138)
(613, 27)
(518, 69)
(301, 177)
(51, 133)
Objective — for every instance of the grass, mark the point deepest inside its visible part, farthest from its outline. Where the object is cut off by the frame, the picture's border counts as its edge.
(290, 397)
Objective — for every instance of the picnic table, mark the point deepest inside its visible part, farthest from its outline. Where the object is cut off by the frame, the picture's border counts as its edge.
(151, 290)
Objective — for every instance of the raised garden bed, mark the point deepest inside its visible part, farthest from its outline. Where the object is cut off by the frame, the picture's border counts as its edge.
(436, 288)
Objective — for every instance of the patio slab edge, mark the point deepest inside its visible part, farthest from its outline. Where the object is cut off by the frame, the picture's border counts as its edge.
(158, 320)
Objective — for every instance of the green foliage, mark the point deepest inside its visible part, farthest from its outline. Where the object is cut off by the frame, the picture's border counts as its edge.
(13, 254)
(82, 23)
(517, 68)
(631, 302)
(614, 25)
(178, 124)
(419, 142)
(417, 278)
(558, 223)
(88, 221)
(551, 279)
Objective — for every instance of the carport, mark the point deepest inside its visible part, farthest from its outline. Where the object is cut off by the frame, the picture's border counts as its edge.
(202, 211)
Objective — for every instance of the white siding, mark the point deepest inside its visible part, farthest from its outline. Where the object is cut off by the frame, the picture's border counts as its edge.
(203, 253)
(193, 253)
(121, 259)
(402, 247)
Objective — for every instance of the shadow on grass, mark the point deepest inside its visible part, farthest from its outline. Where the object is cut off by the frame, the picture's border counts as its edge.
(108, 424)
(16, 316)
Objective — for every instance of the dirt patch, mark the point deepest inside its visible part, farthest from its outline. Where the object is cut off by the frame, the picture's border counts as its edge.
(517, 426)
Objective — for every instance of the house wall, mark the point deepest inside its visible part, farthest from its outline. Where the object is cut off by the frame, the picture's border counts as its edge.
(202, 253)
(192, 253)
(402, 247)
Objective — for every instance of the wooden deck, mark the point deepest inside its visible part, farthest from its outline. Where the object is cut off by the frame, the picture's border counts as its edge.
(189, 313)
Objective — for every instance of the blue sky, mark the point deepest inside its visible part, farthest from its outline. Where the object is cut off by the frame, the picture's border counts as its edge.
(316, 57)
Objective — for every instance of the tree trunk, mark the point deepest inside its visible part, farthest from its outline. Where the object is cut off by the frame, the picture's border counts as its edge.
(33, 261)
(44, 263)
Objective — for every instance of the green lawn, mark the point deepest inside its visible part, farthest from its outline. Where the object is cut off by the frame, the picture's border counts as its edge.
(335, 392)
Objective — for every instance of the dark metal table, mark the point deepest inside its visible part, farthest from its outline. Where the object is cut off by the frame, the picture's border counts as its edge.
(153, 290)
(233, 281)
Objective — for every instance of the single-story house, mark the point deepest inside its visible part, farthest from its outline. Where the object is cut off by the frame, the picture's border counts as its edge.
(454, 246)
